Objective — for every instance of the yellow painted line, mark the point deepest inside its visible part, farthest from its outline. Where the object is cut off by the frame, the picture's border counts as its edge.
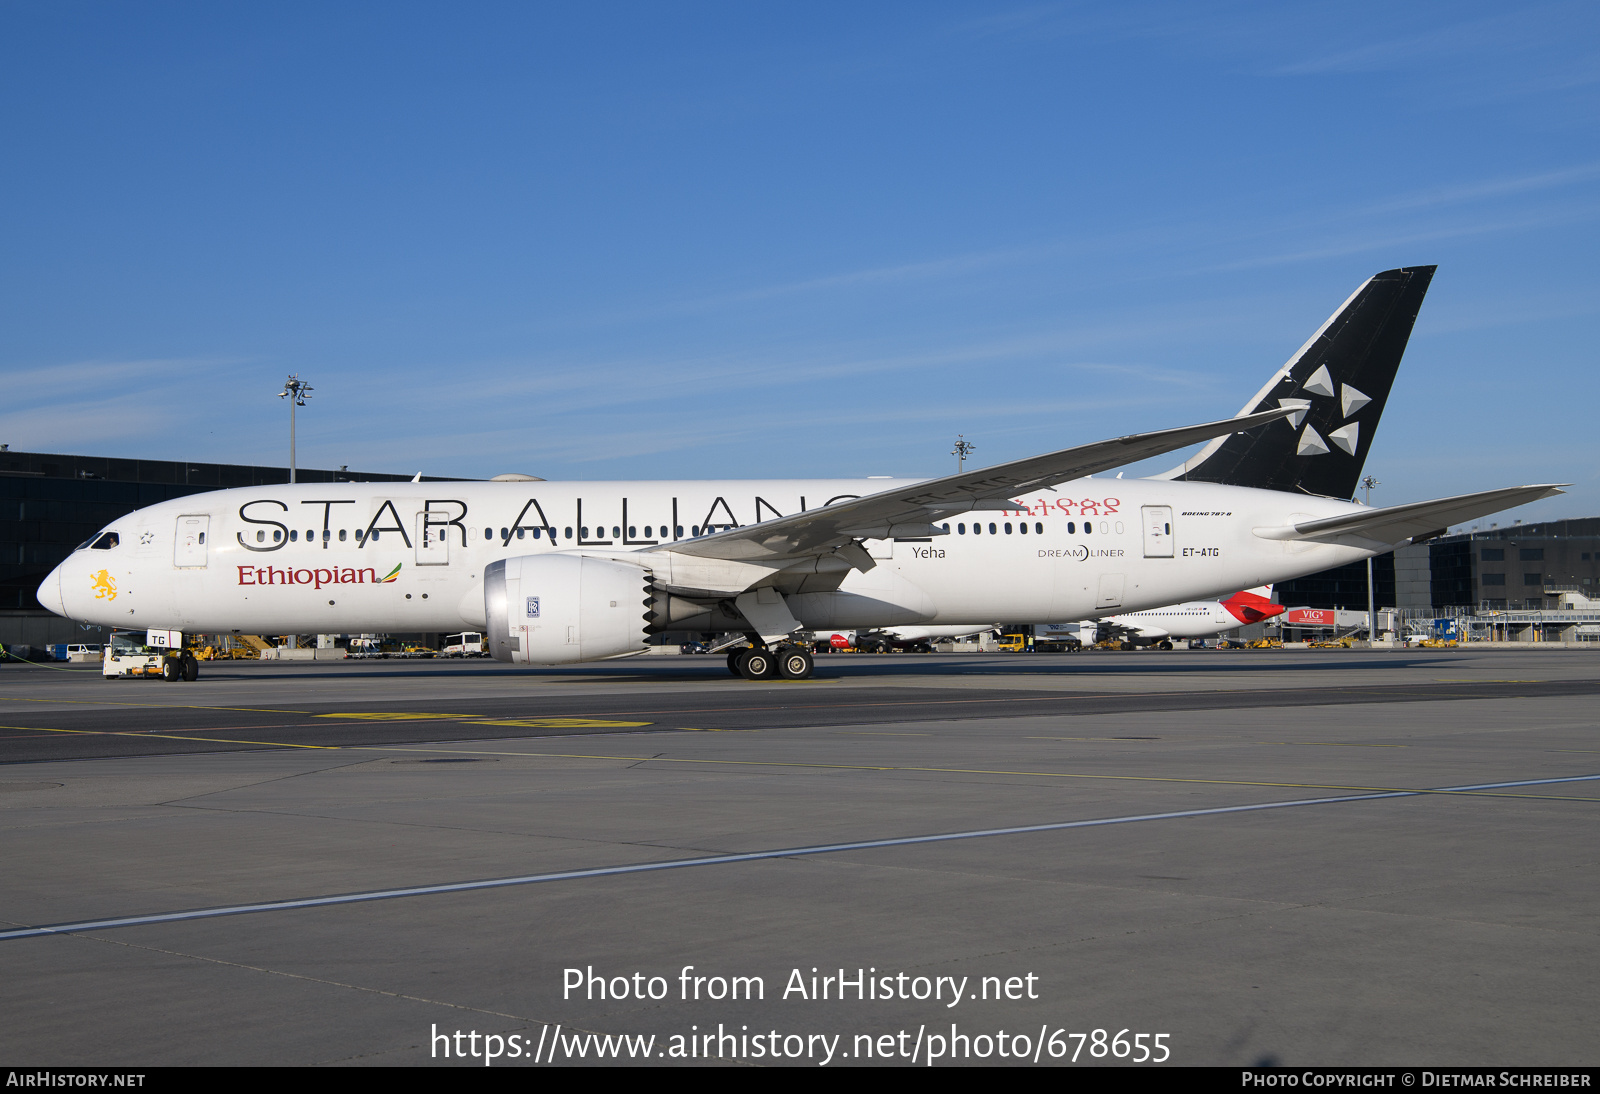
(1187, 740)
(976, 771)
(559, 723)
(164, 736)
(1332, 744)
(1444, 680)
(149, 706)
(393, 716)
(816, 766)
(485, 720)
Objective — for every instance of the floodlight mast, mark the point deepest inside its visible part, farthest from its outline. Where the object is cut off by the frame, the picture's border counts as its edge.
(961, 451)
(1372, 619)
(296, 391)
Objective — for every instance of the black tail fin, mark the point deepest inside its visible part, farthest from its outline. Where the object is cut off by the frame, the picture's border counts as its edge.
(1342, 378)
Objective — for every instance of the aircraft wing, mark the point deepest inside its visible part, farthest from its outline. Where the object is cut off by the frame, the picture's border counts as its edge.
(1397, 523)
(908, 511)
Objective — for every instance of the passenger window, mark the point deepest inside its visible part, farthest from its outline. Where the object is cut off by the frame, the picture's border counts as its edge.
(261, 537)
(488, 533)
(294, 535)
(1008, 527)
(1023, 528)
(522, 533)
(374, 536)
(632, 534)
(1088, 526)
(536, 533)
(202, 537)
(616, 533)
(1072, 528)
(992, 531)
(583, 533)
(327, 535)
(341, 535)
(946, 527)
(569, 532)
(961, 529)
(1038, 527)
(277, 535)
(679, 532)
(505, 533)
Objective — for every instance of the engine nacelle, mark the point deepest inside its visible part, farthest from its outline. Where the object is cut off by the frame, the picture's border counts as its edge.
(556, 609)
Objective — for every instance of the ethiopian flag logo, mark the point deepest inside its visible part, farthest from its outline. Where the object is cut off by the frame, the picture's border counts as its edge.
(392, 574)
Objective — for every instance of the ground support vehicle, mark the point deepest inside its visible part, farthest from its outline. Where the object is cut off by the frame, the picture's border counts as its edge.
(131, 654)
(465, 644)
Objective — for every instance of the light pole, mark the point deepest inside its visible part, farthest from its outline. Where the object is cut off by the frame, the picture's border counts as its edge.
(1372, 611)
(961, 451)
(295, 390)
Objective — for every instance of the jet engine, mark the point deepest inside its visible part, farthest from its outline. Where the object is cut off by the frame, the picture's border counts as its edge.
(557, 609)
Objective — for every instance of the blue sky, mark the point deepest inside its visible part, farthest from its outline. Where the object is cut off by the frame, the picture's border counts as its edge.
(706, 240)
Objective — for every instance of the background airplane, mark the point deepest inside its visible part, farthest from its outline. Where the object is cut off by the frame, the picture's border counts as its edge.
(881, 639)
(1195, 619)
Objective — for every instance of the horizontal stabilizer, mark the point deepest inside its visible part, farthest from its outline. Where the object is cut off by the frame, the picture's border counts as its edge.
(1399, 523)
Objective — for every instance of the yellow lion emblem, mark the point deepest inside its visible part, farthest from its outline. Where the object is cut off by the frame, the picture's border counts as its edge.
(105, 586)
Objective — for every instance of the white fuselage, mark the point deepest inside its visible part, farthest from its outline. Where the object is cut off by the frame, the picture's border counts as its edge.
(410, 557)
(1197, 619)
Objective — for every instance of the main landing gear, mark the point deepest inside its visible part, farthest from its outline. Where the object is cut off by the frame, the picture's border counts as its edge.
(758, 663)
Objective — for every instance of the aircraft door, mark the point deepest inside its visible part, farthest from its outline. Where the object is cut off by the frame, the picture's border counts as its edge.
(433, 541)
(1111, 586)
(189, 548)
(1157, 531)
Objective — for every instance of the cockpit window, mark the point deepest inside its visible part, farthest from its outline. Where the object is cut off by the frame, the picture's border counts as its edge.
(105, 542)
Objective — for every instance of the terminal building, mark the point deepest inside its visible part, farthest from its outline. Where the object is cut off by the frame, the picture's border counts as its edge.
(1526, 567)
(1519, 567)
(1519, 582)
(49, 504)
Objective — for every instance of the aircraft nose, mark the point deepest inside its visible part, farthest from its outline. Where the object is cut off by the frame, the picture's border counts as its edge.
(49, 593)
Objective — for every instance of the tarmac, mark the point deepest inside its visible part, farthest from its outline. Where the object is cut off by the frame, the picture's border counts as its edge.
(1322, 857)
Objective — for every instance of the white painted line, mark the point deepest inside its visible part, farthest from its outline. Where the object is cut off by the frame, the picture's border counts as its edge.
(721, 860)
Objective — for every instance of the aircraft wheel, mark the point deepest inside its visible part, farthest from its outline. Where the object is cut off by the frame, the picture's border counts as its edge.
(1166, 645)
(191, 669)
(733, 662)
(758, 664)
(171, 668)
(794, 663)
